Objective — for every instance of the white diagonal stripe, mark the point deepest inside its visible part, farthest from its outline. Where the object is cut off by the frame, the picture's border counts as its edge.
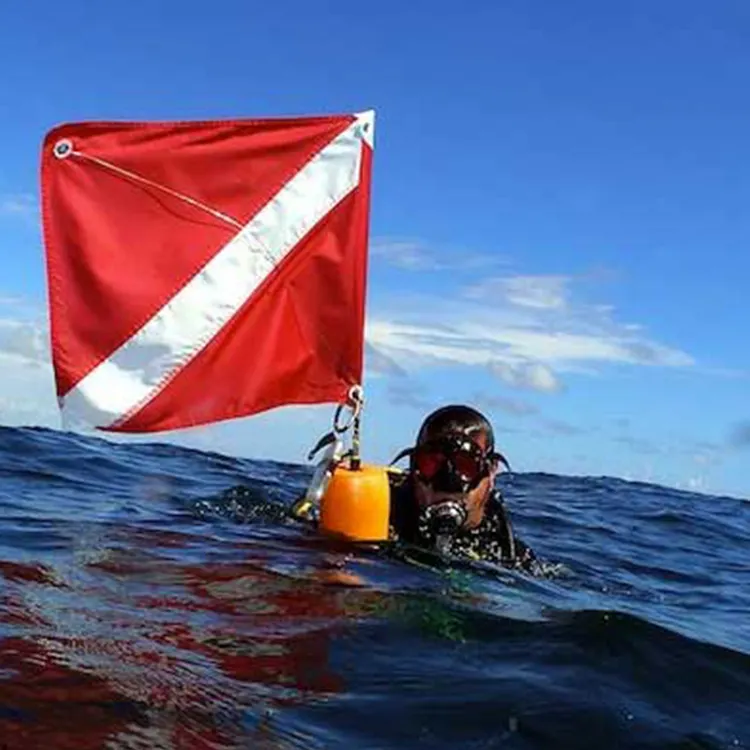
(134, 373)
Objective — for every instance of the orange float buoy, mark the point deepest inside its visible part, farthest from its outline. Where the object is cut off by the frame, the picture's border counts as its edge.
(352, 499)
(356, 503)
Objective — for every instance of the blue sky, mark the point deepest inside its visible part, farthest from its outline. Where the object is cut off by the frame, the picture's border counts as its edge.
(559, 221)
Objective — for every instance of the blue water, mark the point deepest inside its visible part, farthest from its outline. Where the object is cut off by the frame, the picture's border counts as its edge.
(156, 597)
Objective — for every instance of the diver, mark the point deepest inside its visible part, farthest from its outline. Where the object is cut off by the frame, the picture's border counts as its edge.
(446, 502)
(447, 499)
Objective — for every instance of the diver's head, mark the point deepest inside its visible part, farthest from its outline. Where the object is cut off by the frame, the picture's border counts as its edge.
(454, 465)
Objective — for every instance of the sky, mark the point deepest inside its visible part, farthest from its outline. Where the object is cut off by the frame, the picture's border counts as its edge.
(559, 227)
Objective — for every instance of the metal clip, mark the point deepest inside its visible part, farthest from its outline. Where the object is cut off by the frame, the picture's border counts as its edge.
(332, 457)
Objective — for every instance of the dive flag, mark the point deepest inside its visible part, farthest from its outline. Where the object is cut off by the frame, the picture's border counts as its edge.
(203, 271)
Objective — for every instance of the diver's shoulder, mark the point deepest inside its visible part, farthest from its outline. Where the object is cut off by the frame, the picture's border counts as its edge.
(398, 479)
(496, 501)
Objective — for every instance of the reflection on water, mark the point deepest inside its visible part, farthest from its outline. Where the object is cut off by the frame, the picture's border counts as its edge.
(141, 647)
(135, 647)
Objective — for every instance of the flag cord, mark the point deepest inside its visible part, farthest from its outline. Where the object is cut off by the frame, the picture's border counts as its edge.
(64, 149)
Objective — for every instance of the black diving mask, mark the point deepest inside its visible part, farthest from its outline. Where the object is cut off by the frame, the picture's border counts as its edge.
(453, 464)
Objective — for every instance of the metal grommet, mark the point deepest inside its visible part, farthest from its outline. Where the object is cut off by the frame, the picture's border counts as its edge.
(356, 394)
(63, 148)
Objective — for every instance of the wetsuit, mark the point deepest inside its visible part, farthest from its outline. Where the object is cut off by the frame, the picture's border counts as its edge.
(492, 540)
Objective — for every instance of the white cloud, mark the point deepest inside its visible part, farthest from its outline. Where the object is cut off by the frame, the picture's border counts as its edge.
(533, 375)
(23, 205)
(10, 300)
(412, 255)
(404, 254)
(697, 484)
(27, 386)
(537, 292)
(527, 330)
(27, 392)
(24, 339)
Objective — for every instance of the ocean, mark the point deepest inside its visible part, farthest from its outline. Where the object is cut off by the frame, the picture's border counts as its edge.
(154, 596)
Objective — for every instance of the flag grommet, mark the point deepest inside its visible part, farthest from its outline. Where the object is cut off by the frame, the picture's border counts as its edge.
(63, 148)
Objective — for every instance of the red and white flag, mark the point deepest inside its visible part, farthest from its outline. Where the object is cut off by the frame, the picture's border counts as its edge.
(202, 271)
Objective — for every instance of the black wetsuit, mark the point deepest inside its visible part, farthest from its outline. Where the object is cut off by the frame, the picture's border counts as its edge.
(493, 540)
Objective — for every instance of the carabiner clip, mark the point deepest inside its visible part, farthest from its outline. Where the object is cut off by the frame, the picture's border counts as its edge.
(356, 400)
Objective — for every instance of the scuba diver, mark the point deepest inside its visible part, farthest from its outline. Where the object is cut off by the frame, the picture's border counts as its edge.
(447, 500)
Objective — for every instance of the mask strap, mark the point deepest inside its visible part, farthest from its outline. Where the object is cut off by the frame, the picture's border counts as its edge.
(403, 454)
(501, 458)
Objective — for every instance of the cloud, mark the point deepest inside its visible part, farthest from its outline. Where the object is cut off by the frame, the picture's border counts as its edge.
(538, 425)
(12, 301)
(739, 436)
(536, 292)
(27, 397)
(525, 330)
(378, 363)
(408, 394)
(27, 384)
(694, 484)
(404, 254)
(638, 445)
(560, 427)
(706, 459)
(25, 340)
(22, 205)
(531, 375)
(412, 255)
(514, 407)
